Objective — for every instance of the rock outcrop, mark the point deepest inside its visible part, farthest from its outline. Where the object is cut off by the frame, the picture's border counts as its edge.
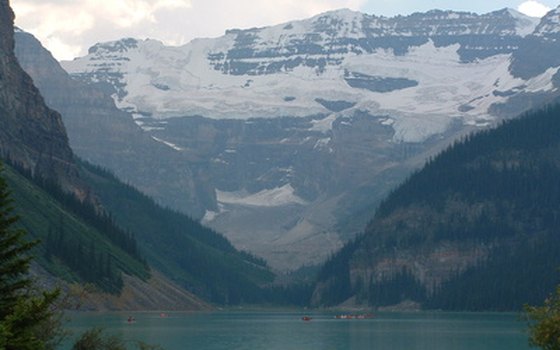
(31, 134)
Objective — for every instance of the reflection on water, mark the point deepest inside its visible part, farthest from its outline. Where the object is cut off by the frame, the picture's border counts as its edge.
(239, 330)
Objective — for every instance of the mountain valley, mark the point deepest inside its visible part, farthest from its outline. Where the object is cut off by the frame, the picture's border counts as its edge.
(290, 140)
(286, 138)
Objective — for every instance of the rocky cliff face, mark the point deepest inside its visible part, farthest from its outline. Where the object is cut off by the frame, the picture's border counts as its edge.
(328, 37)
(31, 133)
(104, 135)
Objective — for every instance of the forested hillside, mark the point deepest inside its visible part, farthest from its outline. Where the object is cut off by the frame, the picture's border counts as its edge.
(81, 244)
(475, 229)
(78, 244)
(196, 257)
(80, 241)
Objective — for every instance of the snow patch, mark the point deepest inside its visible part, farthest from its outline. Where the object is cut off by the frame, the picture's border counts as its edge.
(525, 25)
(279, 196)
(209, 216)
(323, 125)
(172, 145)
(323, 144)
(543, 82)
(388, 122)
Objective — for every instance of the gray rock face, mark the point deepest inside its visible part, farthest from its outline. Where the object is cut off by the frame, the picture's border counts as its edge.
(104, 135)
(378, 84)
(333, 34)
(31, 134)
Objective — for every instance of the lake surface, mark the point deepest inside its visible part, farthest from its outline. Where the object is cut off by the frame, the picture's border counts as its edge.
(282, 330)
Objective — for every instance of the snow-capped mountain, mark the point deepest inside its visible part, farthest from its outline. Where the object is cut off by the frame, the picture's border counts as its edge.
(549, 27)
(301, 125)
(538, 53)
(445, 64)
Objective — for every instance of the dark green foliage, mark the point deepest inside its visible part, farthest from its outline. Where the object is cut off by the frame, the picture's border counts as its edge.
(85, 259)
(94, 339)
(512, 277)
(513, 171)
(296, 294)
(171, 220)
(393, 290)
(497, 164)
(28, 326)
(336, 275)
(95, 217)
(544, 323)
(27, 318)
(198, 258)
(14, 254)
(498, 189)
(64, 233)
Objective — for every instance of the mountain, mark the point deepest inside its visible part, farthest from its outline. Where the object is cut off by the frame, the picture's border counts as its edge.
(135, 253)
(295, 132)
(546, 36)
(475, 229)
(334, 57)
(58, 207)
(31, 134)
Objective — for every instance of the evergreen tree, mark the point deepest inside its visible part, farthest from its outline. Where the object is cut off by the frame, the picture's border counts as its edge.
(14, 263)
(26, 317)
(544, 328)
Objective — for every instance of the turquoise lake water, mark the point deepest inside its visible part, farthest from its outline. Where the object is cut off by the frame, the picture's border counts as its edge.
(281, 330)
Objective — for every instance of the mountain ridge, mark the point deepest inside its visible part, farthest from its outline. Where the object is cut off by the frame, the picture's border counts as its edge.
(300, 47)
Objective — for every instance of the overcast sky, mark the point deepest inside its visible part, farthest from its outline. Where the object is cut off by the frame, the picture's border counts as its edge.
(69, 27)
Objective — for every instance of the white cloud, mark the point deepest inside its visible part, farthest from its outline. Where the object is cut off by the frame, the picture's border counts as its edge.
(49, 19)
(126, 13)
(68, 28)
(54, 44)
(533, 8)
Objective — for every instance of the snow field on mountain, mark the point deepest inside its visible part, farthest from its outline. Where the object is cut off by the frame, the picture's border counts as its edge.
(162, 82)
(274, 197)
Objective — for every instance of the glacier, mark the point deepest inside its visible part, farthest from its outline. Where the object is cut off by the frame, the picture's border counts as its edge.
(165, 82)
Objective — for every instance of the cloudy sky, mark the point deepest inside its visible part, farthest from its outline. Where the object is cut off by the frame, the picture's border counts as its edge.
(69, 27)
